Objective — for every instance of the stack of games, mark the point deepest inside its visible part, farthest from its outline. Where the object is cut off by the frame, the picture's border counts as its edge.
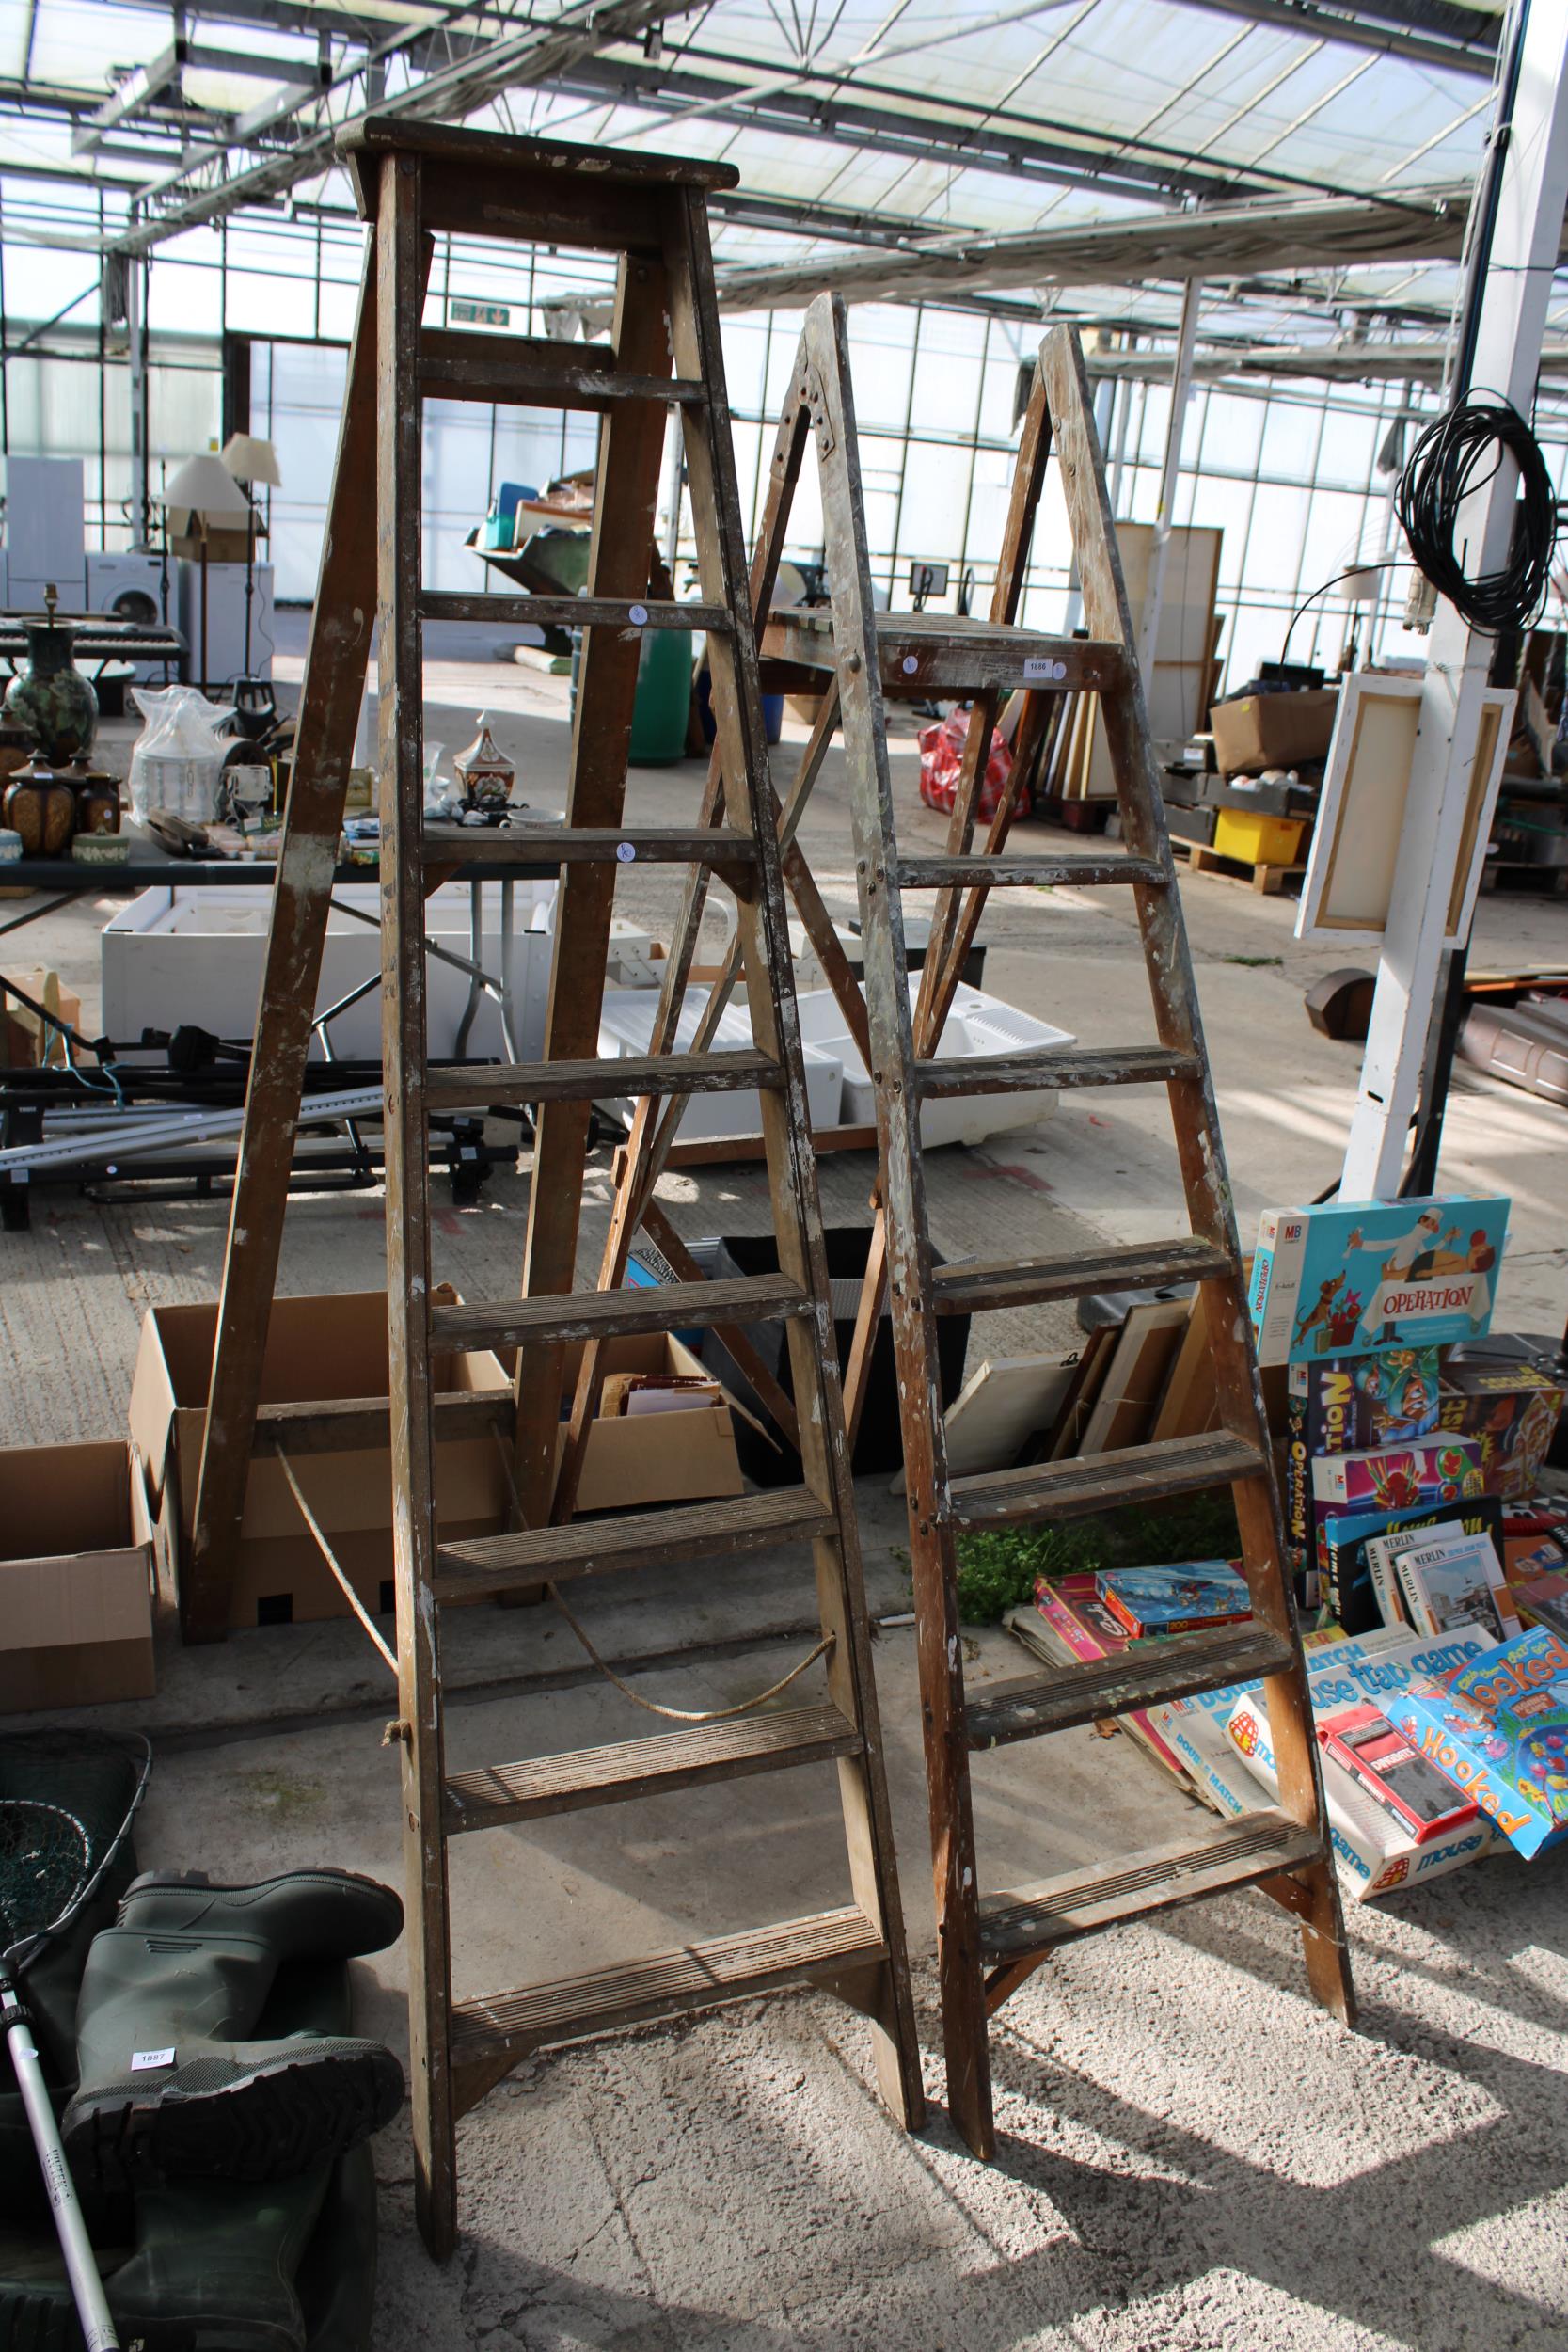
(1404, 1416)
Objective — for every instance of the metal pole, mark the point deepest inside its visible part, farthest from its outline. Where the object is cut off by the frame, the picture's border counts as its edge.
(1180, 393)
(1532, 193)
(135, 327)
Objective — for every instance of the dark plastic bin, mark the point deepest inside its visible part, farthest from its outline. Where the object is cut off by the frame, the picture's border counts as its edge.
(879, 1445)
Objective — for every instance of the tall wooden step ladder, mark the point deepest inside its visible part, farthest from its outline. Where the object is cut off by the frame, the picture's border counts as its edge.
(650, 211)
(991, 1942)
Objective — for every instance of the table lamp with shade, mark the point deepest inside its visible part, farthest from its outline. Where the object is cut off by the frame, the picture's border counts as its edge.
(251, 460)
(204, 489)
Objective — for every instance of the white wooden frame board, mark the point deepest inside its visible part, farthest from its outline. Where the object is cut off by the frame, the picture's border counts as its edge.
(1355, 843)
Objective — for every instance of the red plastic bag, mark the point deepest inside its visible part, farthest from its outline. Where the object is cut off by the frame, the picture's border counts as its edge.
(942, 751)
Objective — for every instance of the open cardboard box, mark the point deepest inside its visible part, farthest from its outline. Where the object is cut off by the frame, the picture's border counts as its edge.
(75, 1577)
(1259, 731)
(318, 1349)
(646, 1457)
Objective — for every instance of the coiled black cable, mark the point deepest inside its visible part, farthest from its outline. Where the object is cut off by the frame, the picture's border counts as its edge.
(1455, 457)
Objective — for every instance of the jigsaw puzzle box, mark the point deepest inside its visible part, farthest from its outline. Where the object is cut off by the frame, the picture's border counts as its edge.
(1349, 1277)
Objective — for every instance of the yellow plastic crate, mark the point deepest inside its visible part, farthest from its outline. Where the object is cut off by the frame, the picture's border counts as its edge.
(1260, 840)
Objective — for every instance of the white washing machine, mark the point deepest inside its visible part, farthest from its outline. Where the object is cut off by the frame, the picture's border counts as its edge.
(125, 587)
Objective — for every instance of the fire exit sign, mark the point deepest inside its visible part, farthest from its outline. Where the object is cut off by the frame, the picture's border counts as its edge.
(480, 313)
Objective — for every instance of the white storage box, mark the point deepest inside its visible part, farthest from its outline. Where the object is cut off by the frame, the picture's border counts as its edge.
(977, 1024)
(625, 1030)
(197, 956)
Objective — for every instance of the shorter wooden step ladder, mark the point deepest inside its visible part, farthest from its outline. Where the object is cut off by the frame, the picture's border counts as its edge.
(991, 1941)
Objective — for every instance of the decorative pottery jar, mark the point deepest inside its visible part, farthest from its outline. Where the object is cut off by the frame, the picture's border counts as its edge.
(50, 698)
(41, 807)
(485, 772)
(97, 798)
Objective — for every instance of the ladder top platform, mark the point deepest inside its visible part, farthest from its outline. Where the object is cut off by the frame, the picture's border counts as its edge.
(437, 142)
(916, 651)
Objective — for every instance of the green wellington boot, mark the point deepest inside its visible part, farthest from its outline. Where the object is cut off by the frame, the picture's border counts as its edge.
(217, 2267)
(216, 2262)
(175, 2083)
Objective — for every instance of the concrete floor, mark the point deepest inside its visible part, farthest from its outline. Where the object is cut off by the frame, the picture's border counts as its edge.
(1192, 2157)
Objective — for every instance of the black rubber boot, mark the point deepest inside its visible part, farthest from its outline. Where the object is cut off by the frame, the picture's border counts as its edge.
(220, 2268)
(174, 2083)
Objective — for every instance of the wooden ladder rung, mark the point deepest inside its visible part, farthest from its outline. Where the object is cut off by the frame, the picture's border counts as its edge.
(630, 613)
(494, 1794)
(571, 1315)
(1149, 1673)
(455, 1085)
(544, 844)
(530, 372)
(348, 1425)
(1003, 872)
(1103, 1481)
(697, 1975)
(972, 1286)
(481, 1566)
(1081, 1903)
(1052, 1066)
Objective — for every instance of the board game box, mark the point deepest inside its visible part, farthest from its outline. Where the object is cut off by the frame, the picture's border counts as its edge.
(1500, 1727)
(1373, 1853)
(1399, 1477)
(1511, 1410)
(1349, 1404)
(1343, 1566)
(1086, 1629)
(1178, 1600)
(1348, 1277)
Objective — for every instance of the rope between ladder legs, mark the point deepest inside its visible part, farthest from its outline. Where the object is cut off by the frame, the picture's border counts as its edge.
(675, 1714)
(335, 1565)
(691, 1714)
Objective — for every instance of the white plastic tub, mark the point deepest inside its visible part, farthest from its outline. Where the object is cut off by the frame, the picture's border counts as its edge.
(977, 1025)
(626, 1027)
(196, 956)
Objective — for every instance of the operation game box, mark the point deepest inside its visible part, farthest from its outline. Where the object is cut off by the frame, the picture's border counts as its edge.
(1347, 1278)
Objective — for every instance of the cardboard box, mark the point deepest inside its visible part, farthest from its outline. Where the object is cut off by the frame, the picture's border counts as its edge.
(224, 545)
(26, 1041)
(1272, 730)
(687, 1456)
(318, 1349)
(75, 1577)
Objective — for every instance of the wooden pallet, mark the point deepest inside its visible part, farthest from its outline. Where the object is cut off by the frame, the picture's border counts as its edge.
(1268, 882)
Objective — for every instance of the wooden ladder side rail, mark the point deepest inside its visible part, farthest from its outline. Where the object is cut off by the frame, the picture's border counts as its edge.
(400, 652)
(1007, 596)
(643, 1159)
(786, 1130)
(655, 1128)
(631, 449)
(623, 1222)
(957, 913)
(336, 665)
(939, 1637)
(1196, 1119)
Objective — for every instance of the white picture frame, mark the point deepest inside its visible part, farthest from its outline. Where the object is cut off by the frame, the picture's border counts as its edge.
(1361, 813)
